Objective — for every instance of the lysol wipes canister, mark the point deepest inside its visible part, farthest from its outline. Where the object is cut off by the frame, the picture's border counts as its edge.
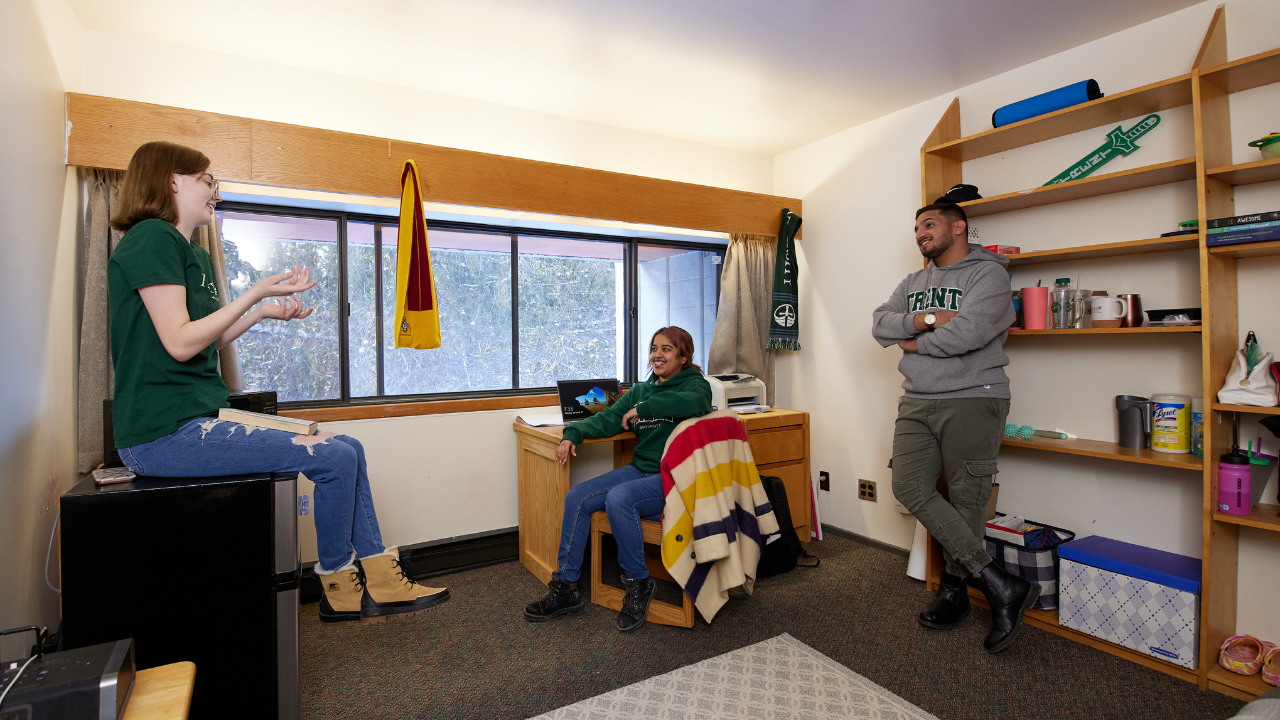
(1171, 426)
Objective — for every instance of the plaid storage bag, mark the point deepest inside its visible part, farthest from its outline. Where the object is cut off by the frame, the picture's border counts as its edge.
(1036, 561)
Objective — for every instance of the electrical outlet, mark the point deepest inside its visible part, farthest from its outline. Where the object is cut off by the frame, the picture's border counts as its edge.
(824, 481)
(867, 490)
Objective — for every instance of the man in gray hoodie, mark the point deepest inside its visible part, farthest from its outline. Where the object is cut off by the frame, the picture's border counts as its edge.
(950, 320)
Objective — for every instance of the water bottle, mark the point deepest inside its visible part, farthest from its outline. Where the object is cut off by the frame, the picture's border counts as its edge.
(1061, 304)
(1235, 486)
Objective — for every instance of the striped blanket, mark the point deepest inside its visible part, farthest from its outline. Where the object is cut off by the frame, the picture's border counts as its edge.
(716, 510)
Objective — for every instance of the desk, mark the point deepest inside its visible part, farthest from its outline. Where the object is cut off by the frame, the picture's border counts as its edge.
(161, 693)
(779, 442)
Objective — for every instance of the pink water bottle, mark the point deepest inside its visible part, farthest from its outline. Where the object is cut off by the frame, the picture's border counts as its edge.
(1234, 484)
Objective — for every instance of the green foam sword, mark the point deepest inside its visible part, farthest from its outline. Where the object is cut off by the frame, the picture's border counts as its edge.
(1118, 142)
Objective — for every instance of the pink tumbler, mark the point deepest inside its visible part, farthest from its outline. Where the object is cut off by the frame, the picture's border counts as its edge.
(1234, 484)
(1035, 307)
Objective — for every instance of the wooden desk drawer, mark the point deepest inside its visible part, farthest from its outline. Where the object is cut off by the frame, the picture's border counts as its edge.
(772, 446)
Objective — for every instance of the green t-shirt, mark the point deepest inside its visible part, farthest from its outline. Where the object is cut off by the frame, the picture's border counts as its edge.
(155, 394)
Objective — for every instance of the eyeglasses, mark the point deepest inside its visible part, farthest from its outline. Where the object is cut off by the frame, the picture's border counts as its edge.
(209, 180)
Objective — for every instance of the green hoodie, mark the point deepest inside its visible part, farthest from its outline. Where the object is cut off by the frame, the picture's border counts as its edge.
(660, 407)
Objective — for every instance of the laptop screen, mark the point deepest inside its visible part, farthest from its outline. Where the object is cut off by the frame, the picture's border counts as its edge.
(580, 399)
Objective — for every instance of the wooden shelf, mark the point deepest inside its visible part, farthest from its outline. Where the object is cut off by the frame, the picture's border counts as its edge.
(1093, 186)
(1109, 451)
(1103, 111)
(1263, 517)
(1105, 250)
(1247, 409)
(1048, 620)
(1145, 330)
(1254, 685)
(1259, 171)
(1247, 250)
(1245, 73)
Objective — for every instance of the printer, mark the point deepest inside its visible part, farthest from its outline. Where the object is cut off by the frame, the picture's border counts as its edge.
(738, 392)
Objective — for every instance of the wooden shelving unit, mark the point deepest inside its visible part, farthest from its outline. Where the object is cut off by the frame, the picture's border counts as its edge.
(1223, 407)
(1092, 186)
(1250, 250)
(1259, 171)
(1263, 517)
(1109, 451)
(1207, 89)
(1106, 250)
(1144, 330)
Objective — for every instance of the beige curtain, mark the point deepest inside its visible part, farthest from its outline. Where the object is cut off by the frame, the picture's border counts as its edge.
(96, 377)
(209, 237)
(742, 320)
(97, 380)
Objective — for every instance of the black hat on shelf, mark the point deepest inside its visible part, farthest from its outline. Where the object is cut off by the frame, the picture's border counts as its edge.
(960, 193)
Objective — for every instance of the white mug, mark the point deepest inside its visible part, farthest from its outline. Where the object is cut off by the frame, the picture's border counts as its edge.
(1108, 308)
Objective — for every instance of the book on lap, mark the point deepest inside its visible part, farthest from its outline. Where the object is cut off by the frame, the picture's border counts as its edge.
(272, 422)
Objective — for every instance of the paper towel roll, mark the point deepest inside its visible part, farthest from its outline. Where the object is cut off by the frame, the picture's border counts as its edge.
(919, 553)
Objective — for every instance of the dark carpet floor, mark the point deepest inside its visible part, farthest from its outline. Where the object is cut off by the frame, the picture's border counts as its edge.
(476, 657)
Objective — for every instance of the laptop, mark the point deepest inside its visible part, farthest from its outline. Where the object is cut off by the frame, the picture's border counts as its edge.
(581, 399)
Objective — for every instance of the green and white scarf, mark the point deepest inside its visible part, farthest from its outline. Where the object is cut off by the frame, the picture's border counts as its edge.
(784, 321)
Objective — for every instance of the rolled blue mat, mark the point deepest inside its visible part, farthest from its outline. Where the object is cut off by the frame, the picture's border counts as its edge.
(1063, 97)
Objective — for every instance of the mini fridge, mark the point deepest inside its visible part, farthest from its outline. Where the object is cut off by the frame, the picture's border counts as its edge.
(199, 569)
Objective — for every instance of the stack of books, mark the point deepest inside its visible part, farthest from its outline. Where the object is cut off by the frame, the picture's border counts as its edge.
(1258, 227)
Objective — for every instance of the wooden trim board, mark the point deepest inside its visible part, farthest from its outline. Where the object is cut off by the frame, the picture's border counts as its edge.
(105, 132)
(408, 409)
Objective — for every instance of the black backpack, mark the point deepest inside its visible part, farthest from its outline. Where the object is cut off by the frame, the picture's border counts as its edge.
(782, 550)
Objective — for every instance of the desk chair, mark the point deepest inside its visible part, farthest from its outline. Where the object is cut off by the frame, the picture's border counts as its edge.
(606, 596)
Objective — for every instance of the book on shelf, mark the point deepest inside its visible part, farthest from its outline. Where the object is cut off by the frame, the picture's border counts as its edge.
(1239, 235)
(271, 422)
(1244, 219)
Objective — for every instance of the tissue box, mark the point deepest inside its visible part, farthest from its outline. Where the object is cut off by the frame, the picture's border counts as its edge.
(1003, 249)
(1138, 597)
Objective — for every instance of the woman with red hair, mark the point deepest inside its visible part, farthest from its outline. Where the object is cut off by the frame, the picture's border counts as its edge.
(674, 392)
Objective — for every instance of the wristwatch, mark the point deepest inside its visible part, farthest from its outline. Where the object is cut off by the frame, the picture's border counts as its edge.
(929, 320)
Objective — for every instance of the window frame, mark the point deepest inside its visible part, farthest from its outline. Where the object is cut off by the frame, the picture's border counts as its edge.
(630, 295)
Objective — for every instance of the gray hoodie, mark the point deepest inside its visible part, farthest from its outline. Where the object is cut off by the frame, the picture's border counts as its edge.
(965, 357)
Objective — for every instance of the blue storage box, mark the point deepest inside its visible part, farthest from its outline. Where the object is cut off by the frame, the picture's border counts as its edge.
(1138, 597)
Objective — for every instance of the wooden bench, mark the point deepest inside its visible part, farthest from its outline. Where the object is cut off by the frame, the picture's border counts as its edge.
(611, 597)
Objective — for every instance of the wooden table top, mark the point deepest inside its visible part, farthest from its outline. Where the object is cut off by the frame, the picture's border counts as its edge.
(162, 693)
(757, 421)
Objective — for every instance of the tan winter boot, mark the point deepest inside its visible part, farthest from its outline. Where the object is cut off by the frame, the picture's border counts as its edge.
(343, 592)
(389, 590)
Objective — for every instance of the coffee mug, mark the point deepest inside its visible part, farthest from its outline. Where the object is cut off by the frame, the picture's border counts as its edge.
(1132, 316)
(1108, 308)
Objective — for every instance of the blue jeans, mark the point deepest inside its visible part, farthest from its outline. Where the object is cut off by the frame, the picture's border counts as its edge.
(627, 495)
(208, 447)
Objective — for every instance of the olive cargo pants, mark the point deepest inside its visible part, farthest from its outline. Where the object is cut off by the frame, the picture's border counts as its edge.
(962, 437)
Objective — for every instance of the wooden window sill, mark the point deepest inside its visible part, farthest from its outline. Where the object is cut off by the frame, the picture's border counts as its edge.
(409, 409)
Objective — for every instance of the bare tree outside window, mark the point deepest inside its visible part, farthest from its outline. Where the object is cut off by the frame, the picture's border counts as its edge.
(298, 360)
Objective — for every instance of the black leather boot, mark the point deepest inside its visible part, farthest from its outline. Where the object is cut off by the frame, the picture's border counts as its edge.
(1009, 597)
(635, 604)
(562, 599)
(950, 606)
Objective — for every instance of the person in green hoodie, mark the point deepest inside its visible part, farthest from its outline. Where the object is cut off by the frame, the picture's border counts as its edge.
(676, 391)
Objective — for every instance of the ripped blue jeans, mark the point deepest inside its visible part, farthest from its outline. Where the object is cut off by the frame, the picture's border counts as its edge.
(208, 447)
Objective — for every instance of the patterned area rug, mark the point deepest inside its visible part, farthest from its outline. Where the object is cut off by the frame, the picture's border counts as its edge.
(774, 679)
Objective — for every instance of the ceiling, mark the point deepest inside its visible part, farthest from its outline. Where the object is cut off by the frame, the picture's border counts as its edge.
(762, 76)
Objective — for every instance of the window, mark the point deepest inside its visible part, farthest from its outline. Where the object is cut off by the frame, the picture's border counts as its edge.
(519, 309)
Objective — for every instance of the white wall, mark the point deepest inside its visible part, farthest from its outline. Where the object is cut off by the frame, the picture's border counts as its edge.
(860, 190)
(37, 290)
(132, 69)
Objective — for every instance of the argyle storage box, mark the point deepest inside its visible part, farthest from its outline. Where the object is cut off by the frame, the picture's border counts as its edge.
(1138, 597)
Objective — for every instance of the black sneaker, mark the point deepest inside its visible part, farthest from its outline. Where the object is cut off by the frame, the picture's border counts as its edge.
(562, 599)
(635, 605)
